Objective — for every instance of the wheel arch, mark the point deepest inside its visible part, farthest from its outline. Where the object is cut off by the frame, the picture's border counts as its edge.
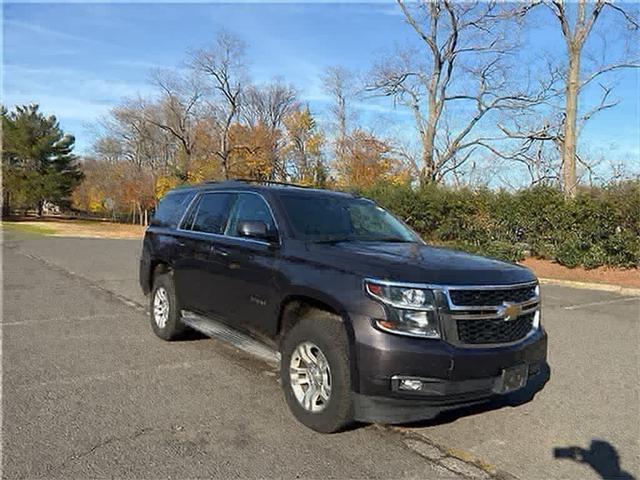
(156, 267)
(296, 306)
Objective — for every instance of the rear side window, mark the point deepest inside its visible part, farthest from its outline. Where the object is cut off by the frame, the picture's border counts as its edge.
(212, 213)
(170, 209)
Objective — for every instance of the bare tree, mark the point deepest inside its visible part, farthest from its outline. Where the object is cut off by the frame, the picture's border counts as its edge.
(339, 83)
(126, 136)
(223, 65)
(546, 138)
(576, 27)
(466, 47)
(269, 104)
(176, 110)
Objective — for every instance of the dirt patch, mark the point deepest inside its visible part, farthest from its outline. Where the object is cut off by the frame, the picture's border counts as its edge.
(613, 276)
(78, 228)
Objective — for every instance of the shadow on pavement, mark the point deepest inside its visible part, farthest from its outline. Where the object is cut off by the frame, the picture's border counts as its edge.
(601, 456)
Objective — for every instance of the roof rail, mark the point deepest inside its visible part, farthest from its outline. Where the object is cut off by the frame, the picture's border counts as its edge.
(269, 182)
(214, 182)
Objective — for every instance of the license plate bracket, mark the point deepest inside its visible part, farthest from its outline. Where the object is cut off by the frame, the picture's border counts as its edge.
(513, 378)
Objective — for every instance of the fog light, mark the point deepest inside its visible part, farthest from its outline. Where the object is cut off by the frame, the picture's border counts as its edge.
(410, 384)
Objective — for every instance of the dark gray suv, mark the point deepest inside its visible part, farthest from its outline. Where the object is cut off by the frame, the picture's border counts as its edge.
(372, 324)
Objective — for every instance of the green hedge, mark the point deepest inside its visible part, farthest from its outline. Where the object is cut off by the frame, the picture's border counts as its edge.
(601, 226)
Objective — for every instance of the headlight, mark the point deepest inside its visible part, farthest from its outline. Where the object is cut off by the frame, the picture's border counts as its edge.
(410, 311)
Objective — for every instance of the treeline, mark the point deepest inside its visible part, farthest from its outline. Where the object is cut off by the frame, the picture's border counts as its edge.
(480, 114)
(209, 122)
(600, 226)
(484, 109)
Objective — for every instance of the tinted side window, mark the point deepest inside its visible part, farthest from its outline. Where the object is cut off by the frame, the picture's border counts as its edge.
(250, 207)
(170, 209)
(187, 221)
(212, 213)
(317, 216)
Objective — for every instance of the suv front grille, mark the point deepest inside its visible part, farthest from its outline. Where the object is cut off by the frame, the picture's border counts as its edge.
(478, 298)
(491, 316)
(489, 331)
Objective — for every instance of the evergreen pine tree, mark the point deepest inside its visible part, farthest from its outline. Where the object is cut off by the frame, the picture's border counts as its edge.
(37, 159)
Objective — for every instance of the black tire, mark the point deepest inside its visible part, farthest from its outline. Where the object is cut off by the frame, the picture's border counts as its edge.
(327, 332)
(173, 328)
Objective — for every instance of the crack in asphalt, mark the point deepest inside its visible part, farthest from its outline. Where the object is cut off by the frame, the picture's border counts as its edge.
(448, 458)
(92, 449)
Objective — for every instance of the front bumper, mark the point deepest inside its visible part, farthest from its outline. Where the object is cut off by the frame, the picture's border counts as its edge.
(455, 376)
(394, 410)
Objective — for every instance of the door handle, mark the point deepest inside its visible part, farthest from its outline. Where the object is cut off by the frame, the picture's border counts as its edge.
(219, 251)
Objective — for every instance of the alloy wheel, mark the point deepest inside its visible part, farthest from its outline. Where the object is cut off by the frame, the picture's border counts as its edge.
(161, 307)
(310, 377)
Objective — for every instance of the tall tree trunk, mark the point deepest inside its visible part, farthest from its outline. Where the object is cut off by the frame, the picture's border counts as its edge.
(569, 177)
(6, 203)
(224, 154)
(342, 128)
(40, 207)
(225, 166)
(186, 172)
(428, 173)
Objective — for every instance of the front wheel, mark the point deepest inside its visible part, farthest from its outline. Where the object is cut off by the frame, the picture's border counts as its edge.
(315, 373)
(164, 309)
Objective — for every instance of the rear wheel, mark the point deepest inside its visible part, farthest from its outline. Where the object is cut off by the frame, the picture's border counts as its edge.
(164, 309)
(315, 372)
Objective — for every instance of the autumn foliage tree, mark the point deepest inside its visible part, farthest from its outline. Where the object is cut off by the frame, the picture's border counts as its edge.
(368, 160)
(114, 188)
(251, 151)
(303, 151)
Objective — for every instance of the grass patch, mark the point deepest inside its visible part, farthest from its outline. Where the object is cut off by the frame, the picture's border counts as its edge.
(26, 228)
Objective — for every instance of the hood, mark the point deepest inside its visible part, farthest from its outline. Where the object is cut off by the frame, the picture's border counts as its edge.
(410, 262)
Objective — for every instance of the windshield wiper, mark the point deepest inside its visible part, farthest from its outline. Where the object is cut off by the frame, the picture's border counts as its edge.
(360, 239)
(389, 240)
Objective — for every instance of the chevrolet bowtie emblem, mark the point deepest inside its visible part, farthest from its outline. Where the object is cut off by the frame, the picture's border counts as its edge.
(509, 311)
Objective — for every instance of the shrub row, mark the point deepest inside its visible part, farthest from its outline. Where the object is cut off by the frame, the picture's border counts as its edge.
(601, 226)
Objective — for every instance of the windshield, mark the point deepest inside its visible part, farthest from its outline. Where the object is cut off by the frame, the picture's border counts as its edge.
(331, 218)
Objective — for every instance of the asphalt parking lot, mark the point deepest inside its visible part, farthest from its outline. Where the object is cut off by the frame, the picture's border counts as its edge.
(88, 391)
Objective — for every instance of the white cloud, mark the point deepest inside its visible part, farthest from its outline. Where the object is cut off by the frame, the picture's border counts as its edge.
(41, 31)
(72, 95)
(63, 107)
(78, 84)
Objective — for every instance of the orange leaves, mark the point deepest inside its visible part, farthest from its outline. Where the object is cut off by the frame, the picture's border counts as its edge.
(163, 184)
(367, 160)
(253, 151)
(114, 186)
(303, 150)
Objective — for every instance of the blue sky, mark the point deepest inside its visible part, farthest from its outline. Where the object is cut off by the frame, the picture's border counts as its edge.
(77, 60)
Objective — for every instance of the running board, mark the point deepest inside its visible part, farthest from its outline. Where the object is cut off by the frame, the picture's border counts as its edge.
(241, 341)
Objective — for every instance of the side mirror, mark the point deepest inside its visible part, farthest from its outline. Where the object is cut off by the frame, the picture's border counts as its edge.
(256, 230)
